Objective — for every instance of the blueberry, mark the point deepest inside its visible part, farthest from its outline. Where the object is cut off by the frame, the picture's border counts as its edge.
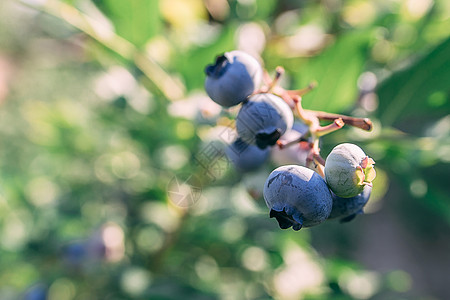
(263, 119)
(297, 197)
(75, 253)
(348, 208)
(246, 157)
(348, 169)
(234, 76)
(36, 292)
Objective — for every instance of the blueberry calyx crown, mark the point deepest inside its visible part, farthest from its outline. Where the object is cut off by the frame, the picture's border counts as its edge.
(240, 145)
(263, 140)
(217, 69)
(369, 173)
(285, 220)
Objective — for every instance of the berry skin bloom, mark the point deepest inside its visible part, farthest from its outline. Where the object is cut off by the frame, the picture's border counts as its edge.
(348, 208)
(263, 119)
(245, 157)
(297, 197)
(348, 169)
(234, 76)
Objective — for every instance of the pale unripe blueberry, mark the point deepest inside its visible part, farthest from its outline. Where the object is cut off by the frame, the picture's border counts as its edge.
(348, 208)
(246, 157)
(233, 77)
(297, 197)
(263, 119)
(348, 169)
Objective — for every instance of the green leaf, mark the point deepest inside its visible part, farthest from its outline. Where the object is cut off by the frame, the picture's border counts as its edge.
(135, 20)
(420, 89)
(265, 8)
(336, 70)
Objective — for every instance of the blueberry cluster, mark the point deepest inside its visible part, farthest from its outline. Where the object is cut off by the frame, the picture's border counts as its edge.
(298, 197)
(234, 79)
(306, 189)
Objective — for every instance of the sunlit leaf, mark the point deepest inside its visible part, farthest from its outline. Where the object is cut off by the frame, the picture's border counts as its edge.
(134, 20)
(336, 70)
(421, 88)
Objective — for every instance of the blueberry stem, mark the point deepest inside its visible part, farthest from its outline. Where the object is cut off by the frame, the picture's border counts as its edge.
(284, 144)
(271, 85)
(318, 159)
(337, 124)
(314, 160)
(320, 169)
(308, 118)
(279, 71)
(363, 123)
(301, 92)
(293, 97)
(266, 78)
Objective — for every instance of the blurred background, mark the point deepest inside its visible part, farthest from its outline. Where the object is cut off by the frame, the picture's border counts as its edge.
(104, 120)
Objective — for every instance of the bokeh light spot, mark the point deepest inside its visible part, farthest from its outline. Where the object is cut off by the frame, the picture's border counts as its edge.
(135, 281)
(254, 259)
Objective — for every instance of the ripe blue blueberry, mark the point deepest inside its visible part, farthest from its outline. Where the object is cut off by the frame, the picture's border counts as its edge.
(348, 208)
(36, 292)
(246, 157)
(297, 197)
(348, 169)
(75, 253)
(263, 119)
(234, 76)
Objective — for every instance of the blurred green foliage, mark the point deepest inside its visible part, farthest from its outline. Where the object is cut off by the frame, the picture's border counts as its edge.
(103, 113)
